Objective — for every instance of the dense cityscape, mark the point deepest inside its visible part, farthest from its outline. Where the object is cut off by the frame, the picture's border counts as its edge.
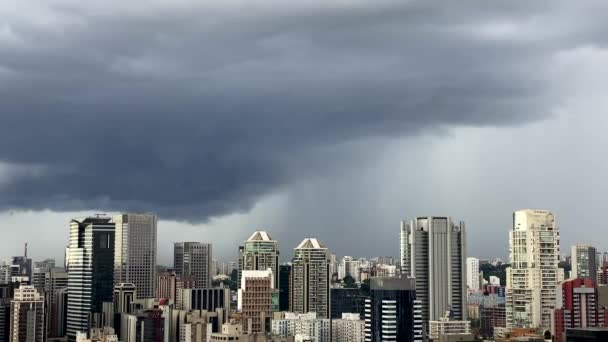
(110, 288)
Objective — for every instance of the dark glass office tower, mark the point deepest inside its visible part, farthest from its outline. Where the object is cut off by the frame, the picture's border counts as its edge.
(284, 280)
(345, 300)
(392, 312)
(91, 272)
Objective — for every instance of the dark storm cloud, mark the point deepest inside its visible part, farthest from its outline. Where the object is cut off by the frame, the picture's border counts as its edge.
(194, 109)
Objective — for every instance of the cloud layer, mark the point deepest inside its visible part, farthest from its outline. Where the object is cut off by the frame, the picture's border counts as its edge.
(195, 109)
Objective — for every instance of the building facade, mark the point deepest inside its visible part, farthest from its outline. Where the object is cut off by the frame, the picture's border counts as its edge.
(255, 299)
(577, 307)
(392, 312)
(304, 325)
(169, 284)
(473, 274)
(27, 315)
(532, 277)
(193, 259)
(91, 271)
(259, 253)
(349, 328)
(135, 252)
(583, 261)
(310, 283)
(433, 252)
(446, 326)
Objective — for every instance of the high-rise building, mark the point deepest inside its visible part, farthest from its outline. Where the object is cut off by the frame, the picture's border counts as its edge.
(349, 267)
(310, 278)
(193, 259)
(259, 253)
(255, 299)
(40, 270)
(533, 275)
(60, 313)
(135, 252)
(125, 295)
(168, 285)
(392, 312)
(473, 273)
(284, 284)
(204, 299)
(584, 262)
(577, 307)
(349, 328)
(91, 272)
(54, 280)
(347, 300)
(27, 315)
(433, 252)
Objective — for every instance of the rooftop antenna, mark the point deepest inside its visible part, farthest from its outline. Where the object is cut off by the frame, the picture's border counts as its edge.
(25, 251)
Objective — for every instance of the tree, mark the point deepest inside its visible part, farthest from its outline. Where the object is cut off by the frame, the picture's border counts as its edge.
(349, 282)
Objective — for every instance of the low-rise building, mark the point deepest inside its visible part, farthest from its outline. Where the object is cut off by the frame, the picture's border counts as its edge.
(351, 328)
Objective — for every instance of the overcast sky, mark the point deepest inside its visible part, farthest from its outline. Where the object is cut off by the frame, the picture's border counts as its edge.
(334, 119)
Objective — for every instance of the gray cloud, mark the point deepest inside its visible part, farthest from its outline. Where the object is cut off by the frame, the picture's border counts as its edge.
(196, 109)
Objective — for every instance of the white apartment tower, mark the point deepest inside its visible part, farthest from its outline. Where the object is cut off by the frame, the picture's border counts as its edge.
(584, 262)
(433, 252)
(473, 273)
(135, 252)
(533, 276)
(310, 279)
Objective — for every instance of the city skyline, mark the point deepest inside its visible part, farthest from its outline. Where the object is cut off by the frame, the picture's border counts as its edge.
(341, 121)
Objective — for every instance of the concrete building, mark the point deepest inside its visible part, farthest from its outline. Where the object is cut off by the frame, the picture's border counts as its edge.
(310, 278)
(255, 299)
(234, 332)
(259, 253)
(169, 284)
(392, 312)
(473, 274)
(135, 251)
(204, 299)
(533, 276)
(307, 325)
(91, 271)
(577, 307)
(125, 295)
(55, 279)
(350, 267)
(106, 334)
(193, 259)
(27, 315)
(446, 326)
(433, 252)
(584, 263)
(350, 328)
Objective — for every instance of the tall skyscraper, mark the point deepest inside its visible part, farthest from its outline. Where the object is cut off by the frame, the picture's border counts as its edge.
(584, 262)
(284, 285)
(533, 276)
(56, 279)
(473, 273)
(259, 253)
(433, 252)
(193, 259)
(27, 315)
(135, 252)
(91, 272)
(310, 278)
(577, 307)
(392, 312)
(255, 299)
